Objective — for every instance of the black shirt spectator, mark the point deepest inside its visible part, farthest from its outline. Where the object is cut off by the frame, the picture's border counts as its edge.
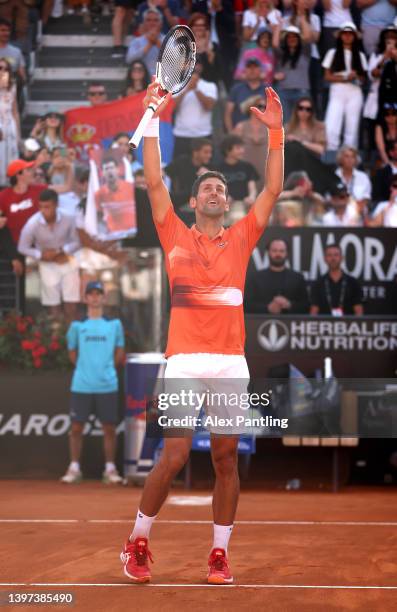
(277, 289)
(241, 176)
(336, 293)
(184, 170)
(383, 176)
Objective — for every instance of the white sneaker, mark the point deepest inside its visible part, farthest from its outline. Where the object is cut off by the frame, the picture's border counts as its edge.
(111, 477)
(72, 477)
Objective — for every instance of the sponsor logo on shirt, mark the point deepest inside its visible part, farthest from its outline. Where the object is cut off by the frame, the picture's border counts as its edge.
(16, 207)
(95, 339)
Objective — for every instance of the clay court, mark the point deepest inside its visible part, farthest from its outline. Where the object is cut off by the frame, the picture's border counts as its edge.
(289, 550)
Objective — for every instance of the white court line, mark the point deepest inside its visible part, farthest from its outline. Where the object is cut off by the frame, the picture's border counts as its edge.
(204, 522)
(201, 586)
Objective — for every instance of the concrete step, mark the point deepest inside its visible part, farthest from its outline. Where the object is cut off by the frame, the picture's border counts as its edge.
(81, 74)
(65, 57)
(69, 90)
(74, 24)
(41, 107)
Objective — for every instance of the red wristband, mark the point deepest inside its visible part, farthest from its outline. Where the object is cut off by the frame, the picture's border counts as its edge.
(276, 138)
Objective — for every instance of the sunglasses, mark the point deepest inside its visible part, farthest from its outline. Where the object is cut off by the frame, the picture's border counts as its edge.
(52, 116)
(307, 109)
(96, 93)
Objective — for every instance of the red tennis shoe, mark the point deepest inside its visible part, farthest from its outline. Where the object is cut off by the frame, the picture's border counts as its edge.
(218, 568)
(135, 557)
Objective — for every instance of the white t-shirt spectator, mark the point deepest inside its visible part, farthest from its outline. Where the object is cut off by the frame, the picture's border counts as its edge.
(191, 119)
(337, 15)
(359, 187)
(389, 213)
(351, 218)
(250, 19)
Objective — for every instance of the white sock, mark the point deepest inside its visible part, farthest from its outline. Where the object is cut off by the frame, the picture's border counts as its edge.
(109, 466)
(222, 535)
(142, 526)
(75, 466)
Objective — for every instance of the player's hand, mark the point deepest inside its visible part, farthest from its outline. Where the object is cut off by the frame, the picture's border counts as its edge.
(274, 307)
(61, 258)
(272, 117)
(3, 222)
(155, 98)
(49, 254)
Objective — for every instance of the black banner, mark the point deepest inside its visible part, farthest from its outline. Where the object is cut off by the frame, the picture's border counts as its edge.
(359, 347)
(370, 255)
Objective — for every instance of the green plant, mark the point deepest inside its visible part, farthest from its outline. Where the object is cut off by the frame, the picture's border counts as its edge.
(32, 344)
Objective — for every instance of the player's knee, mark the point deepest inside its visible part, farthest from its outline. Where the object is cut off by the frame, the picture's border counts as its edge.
(77, 427)
(225, 462)
(175, 461)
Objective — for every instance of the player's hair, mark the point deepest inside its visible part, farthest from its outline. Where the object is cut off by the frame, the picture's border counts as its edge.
(48, 195)
(333, 245)
(204, 177)
(230, 141)
(269, 244)
(199, 143)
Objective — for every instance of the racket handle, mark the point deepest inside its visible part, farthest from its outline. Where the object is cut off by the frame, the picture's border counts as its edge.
(137, 137)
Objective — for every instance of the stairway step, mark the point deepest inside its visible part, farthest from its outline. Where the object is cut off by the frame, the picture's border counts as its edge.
(81, 74)
(77, 40)
(73, 24)
(41, 107)
(77, 57)
(69, 90)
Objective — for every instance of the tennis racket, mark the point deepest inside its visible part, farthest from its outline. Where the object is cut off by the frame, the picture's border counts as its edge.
(175, 65)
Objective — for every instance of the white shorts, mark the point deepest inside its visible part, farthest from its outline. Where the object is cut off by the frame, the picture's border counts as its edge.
(212, 392)
(59, 282)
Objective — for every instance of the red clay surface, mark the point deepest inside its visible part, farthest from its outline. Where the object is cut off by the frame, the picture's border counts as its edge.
(306, 555)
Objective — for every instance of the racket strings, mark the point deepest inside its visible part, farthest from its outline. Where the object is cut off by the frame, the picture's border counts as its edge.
(177, 61)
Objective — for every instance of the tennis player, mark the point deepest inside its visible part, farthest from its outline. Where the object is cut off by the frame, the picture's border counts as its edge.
(206, 266)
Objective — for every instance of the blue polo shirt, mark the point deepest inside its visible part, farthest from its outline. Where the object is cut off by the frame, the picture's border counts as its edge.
(95, 341)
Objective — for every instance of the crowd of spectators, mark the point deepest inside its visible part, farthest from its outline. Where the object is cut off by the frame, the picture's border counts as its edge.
(332, 62)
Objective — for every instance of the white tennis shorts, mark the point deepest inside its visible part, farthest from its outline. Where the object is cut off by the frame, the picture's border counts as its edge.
(209, 385)
(59, 282)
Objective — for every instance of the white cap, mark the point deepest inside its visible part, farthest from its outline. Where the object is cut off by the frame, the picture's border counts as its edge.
(348, 25)
(291, 29)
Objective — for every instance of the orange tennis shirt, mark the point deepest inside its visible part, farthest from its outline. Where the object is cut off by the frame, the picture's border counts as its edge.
(207, 278)
(118, 206)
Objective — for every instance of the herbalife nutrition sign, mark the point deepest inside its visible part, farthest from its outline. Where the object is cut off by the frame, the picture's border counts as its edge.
(360, 347)
(276, 335)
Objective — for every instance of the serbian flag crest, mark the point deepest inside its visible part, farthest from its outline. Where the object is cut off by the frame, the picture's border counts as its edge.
(89, 127)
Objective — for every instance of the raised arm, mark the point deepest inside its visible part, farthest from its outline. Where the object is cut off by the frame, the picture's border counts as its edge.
(159, 196)
(272, 117)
